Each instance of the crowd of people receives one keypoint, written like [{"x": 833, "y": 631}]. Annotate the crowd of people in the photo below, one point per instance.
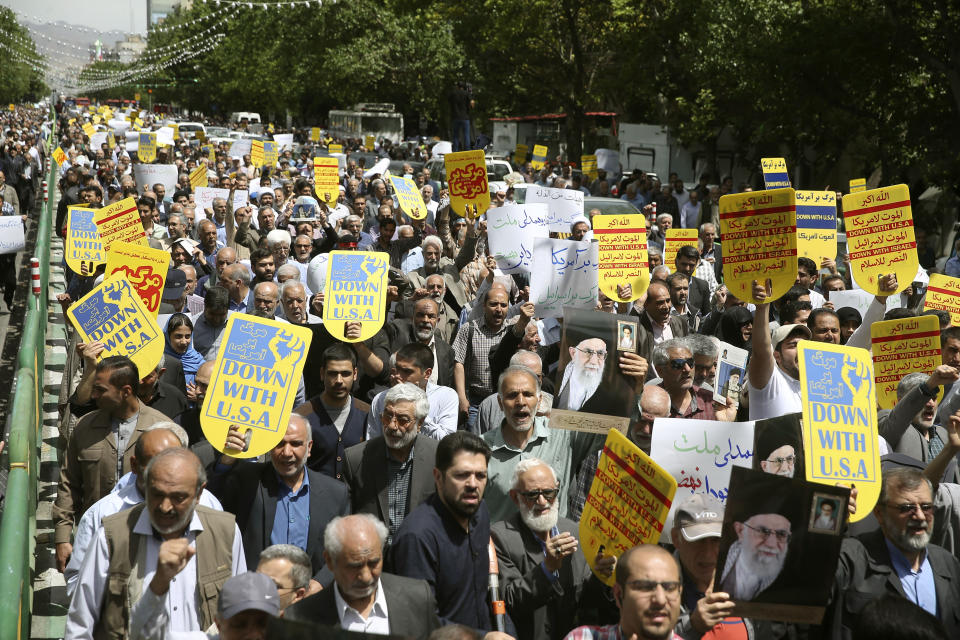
[{"x": 413, "y": 456}]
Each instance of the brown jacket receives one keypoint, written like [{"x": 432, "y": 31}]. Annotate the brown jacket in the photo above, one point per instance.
[
  {"x": 89, "y": 468},
  {"x": 214, "y": 547}
]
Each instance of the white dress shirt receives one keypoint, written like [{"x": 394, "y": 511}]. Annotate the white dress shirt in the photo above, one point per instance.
[
  {"x": 441, "y": 420},
  {"x": 377, "y": 622},
  {"x": 152, "y": 616},
  {"x": 124, "y": 495}
]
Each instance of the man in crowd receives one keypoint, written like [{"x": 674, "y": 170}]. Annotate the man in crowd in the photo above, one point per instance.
[
  {"x": 392, "y": 473},
  {"x": 290, "y": 569}
]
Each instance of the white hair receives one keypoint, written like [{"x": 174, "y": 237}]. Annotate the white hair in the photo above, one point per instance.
[
  {"x": 173, "y": 428},
  {"x": 333, "y": 536},
  {"x": 289, "y": 284},
  {"x": 526, "y": 465},
  {"x": 432, "y": 240},
  {"x": 277, "y": 236},
  {"x": 408, "y": 392},
  {"x": 289, "y": 270}
]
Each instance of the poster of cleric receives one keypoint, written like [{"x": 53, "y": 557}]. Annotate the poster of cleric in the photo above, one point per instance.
[
  {"x": 592, "y": 393},
  {"x": 780, "y": 545}
]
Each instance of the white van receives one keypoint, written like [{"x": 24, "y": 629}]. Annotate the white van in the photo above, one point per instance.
[{"x": 251, "y": 117}]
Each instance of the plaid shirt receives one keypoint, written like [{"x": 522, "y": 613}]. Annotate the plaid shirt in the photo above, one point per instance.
[
  {"x": 608, "y": 632},
  {"x": 398, "y": 491},
  {"x": 705, "y": 272},
  {"x": 471, "y": 348},
  {"x": 581, "y": 487}
]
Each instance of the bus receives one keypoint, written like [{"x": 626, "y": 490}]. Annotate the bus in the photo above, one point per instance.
[{"x": 378, "y": 119}]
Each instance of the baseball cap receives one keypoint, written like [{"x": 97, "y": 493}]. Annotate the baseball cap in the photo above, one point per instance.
[
  {"x": 173, "y": 287},
  {"x": 248, "y": 591},
  {"x": 699, "y": 516},
  {"x": 783, "y": 332}
]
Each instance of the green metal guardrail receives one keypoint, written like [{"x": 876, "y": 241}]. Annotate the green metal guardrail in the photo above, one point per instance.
[{"x": 18, "y": 527}]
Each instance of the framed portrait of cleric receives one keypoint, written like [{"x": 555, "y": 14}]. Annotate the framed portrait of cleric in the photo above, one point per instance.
[
  {"x": 626, "y": 335},
  {"x": 778, "y": 447},
  {"x": 592, "y": 394},
  {"x": 774, "y": 564}
]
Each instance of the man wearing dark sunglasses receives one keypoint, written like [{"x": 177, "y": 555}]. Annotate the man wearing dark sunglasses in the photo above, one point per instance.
[{"x": 674, "y": 362}]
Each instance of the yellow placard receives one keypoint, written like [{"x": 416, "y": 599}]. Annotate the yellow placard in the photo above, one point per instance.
[
  {"x": 858, "y": 184},
  {"x": 775, "y": 174},
  {"x": 759, "y": 230},
  {"x": 111, "y": 139},
  {"x": 256, "y": 153},
  {"x": 520, "y": 154},
  {"x": 13, "y": 107},
  {"x": 138, "y": 122},
  {"x": 539, "y": 156},
  {"x": 901, "y": 347},
  {"x": 59, "y": 156},
  {"x": 88, "y": 129},
  {"x": 254, "y": 382},
  {"x": 370, "y": 142},
  {"x": 271, "y": 153},
  {"x": 408, "y": 195},
  {"x": 120, "y": 222},
  {"x": 198, "y": 177},
  {"x": 356, "y": 291},
  {"x": 144, "y": 267},
  {"x": 114, "y": 314},
  {"x": 628, "y": 501},
  {"x": 817, "y": 225},
  {"x": 71, "y": 121},
  {"x": 943, "y": 293},
  {"x": 176, "y": 131},
  {"x": 211, "y": 154},
  {"x": 334, "y": 148},
  {"x": 147, "y": 147},
  {"x": 96, "y": 119},
  {"x": 315, "y": 134},
  {"x": 82, "y": 247},
  {"x": 588, "y": 166},
  {"x": 326, "y": 179},
  {"x": 840, "y": 420},
  {"x": 622, "y": 250},
  {"x": 676, "y": 238},
  {"x": 467, "y": 181},
  {"x": 880, "y": 238}
]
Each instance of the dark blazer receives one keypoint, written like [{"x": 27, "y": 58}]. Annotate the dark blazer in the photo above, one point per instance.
[
  {"x": 678, "y": 326},
  {"x": 541, "y": 609},
  {"x": 699, "y": 296},
  {"x": 410, "y": 607},
  {"x": 865, "y": 573},
  {"x": 329, "y": 446},
  {"x": 365, "y": 473},
  {"x": 250, "y": 491},
  {"x": 399, "y": 333}
]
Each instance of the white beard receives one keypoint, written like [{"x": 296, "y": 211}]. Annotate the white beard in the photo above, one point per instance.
[
  {"x": 583, "y": 384},
  {"x": 755, "y": 573},
  {"x": 545, "y": 522}
]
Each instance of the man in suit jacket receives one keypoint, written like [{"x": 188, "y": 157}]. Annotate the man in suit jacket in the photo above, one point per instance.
[
  {"x": 547, "y": 584},
  {"x": 373, "y": 465},
  {"x": 688, "y": 257},
  {"x": 876, "y": 563},
  {"x": 257, "y": 491},
  {"x": 94, "y": 459},
  {"x": 656, "y": 323},
  {"x": 365, "y": 598}
]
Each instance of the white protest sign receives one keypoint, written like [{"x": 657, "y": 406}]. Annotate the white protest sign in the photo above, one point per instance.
[
  {"x": 441, "y": 149},
  {"x": 608, "y": 160},
  {"x": 380, "y": 167},
  {"x": 284, "y": 141},
  {"x": 165, "y": 137},
  {"x": 859, "y": 300},
  {"x": 564, "y": 274},
  {"x": 98, "y": 139},
  {"x": 148, "y": 175},
  {"x": 511, "y": 230},
  {"x": 699, "y": 455},
  {"x": 11, "y": 234},
  {"x": 563, "y": 205},
  {"x": 240, "y": 148},
  {"x": 204, "y": 197},
  {"x": 120, "y": 126}
]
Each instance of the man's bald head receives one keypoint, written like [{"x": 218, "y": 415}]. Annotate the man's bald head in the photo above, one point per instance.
[{"x": 655, "y": 401}]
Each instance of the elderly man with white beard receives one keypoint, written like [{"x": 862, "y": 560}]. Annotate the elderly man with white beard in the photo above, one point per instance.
[
  {"x": 524, "y": 434},
  {"x": 896, "y": 559},
  {"x": 757, "y": 557},
  {"x": 547, "y": 584},
  {"x": 582, "y": 376}
]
